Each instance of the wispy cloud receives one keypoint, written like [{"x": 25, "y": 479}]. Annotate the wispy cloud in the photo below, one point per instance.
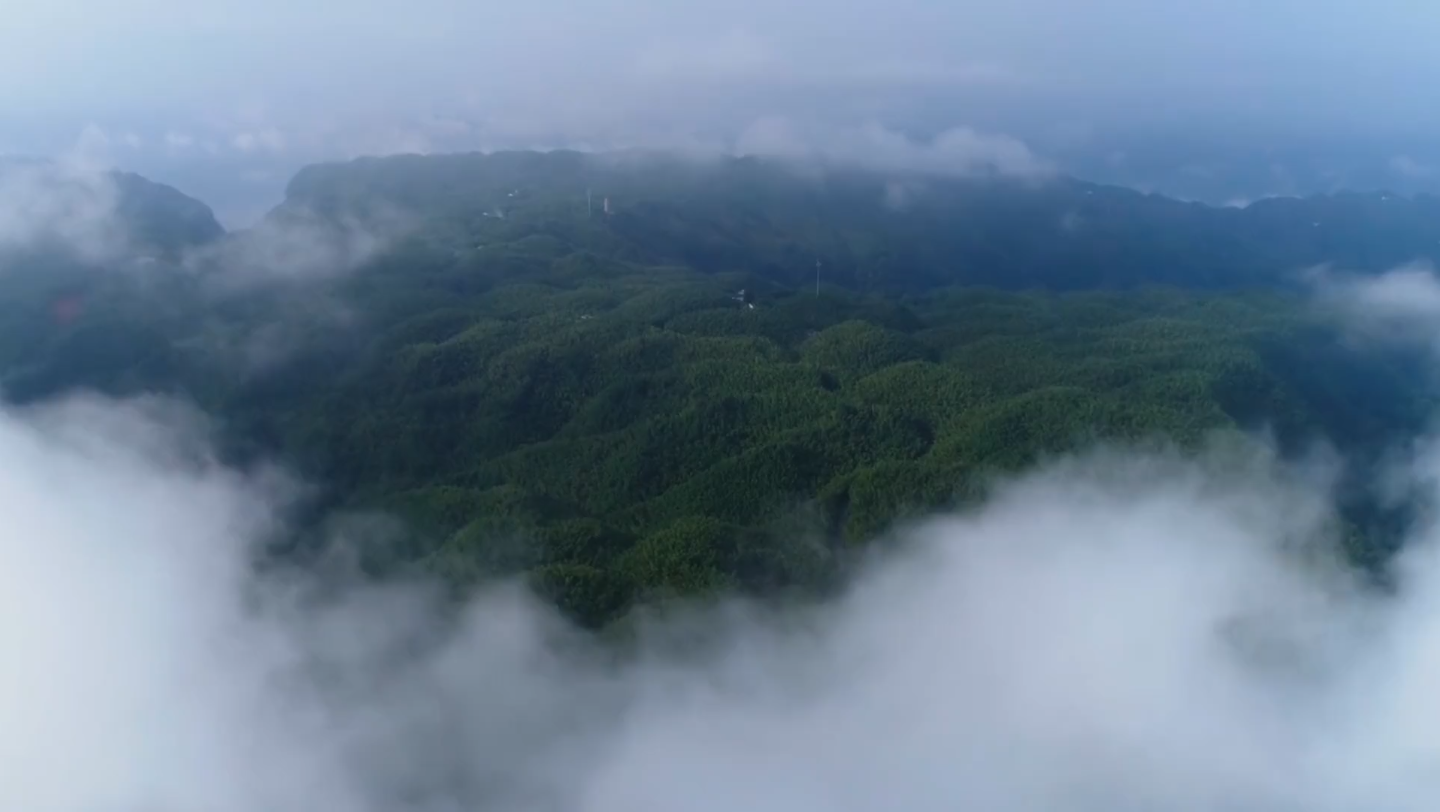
[
  {"x": 1402, "y": 304},
  {"x": 65, "y": 204},
  {"x": 179, "y": 140},
  {"x": 290, "y": 248},
  {"x": 957, "y": 151},
  {"x": 268, "y": 139},
  {"x": 1407, "y": 167}
]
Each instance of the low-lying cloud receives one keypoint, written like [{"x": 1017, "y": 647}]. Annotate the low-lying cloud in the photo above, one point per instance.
[
  {"x": 957, "y": 151},
  {"x": 1121, "y": 630},
  {"x": 272, "y": 280},
  {"x": 1400, "y": 305},
  {"x": 70, "y": 202},
  {"x": 295, "y": 247},
  {"x": 43, "y": 203}
]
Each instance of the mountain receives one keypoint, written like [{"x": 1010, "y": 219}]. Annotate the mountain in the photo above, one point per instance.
[
  {"x": 90, "y": 286},
  {"x": 589, "y": 400},
  {"x": 97, "y": 215},
  {"x": 871, "y": 230},
  {"x": 160, "y": 218}
]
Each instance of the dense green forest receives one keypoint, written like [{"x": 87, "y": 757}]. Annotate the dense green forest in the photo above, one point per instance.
[
  {"x": 871, "y": 231},
  {"x": 660, "y": 399}
]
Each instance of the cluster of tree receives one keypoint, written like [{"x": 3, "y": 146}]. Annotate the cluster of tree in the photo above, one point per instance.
[
  {"x": 531, "y": 386},
  {"x": 875, "y": 231}
]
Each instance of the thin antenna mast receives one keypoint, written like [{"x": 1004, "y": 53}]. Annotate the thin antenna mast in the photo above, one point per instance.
[
  {"x": 589, "y": 210},
  {"x": 817, "y": 279}
]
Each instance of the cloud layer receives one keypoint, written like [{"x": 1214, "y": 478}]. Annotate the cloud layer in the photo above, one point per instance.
[
  {"x": 1122, "y": 630},
  {"x": 268, "y": 86},
  {"x": 1400, "y": 305},
  {"x": 957, "y": 151},
  {"x": 59, "y": 204}
]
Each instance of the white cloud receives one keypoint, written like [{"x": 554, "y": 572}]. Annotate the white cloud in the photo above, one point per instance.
[
  {"x": 1402, "y": 304},
  {"x": 733, "y": 53},
  {"x": 1408, "y": 167},
  {"x": 267, "y": 139},
  {"x": 919, "y": 72},
  {"x": 90, "y": 152},
  {"x": 71, "y": 201},
  {"x": 1120, "y": 631},
  {"x": 296, "y": 246},
  {"x": 898, "y": 196},
  {"x": 957, "y": 151},
  {"x": 179, "y": 140},
  {"x": 389, "y": 140},
  {"x": 39, "y": 203}
]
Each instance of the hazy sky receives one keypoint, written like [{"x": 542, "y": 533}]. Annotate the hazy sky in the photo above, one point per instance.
[{"x": 1258, "y": 97}]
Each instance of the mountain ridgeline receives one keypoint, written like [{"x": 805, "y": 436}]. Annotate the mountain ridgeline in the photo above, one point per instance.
[
  {"x": 56, "y": 207},
  {"x": 617, "y": 376},
  {"x": 160, "y": 218},
  {"x": 878, "y": 231}
]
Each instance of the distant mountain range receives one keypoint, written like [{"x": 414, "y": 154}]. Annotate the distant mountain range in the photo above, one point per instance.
[
  {"x": 161, "y": 217},
  {"x": 863, "y": 229},
  {"x": 873, "y": 230},
  {"x": 44, "y": 204},
  {"x": 610, "y": 372}
]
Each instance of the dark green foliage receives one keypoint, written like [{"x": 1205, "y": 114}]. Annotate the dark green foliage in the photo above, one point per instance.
[
  {"x": 772, "y": 222},
  {"x": 548, "y": 393},
  {"x": 620, "y": 454},
  {"x": 159, "y": 218}
]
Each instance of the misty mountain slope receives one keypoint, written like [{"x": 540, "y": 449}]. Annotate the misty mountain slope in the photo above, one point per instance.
[
  {"x": 161, "y": 218},
  {"x": 92, "y": 286},
  {"x": 622, "y": 436},
  {"x": 873, "y": 230},
  {"x": 573, "y": 399},
  {"x": 103, "y": 215}
]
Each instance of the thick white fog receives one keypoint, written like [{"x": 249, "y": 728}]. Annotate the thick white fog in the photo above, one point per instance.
[{"x": 1122, "y": 630}]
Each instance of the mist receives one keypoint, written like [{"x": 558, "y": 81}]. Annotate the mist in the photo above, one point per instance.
[
  {"x": 227, "y": 99},
  {"x": 65, "y": 202},
  {"x": 70, "y": 227},
  {"x": 1398, "y": 306}
]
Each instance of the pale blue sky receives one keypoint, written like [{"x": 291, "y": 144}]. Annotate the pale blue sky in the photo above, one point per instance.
[{"x": 242, "y": 92}]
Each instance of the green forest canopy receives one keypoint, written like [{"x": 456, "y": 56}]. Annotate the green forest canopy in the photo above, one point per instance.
[{"x": 548, "y": 393}]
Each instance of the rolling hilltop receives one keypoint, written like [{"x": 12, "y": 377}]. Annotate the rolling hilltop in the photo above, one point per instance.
[
  {"x": 588, "y": 398},
  {"x": 871, "y": 230},
  {"x": 56, "y": 207}
]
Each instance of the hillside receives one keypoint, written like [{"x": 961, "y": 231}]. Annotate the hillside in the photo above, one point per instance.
[
  {"x": 592, "y": 401},
  {"x": 55, "y": 207},
  {"x": 873, "y": 231},
  {"x": 160, "y": 218}
]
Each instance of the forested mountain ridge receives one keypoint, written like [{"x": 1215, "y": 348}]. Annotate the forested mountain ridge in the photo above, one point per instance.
[
  {"x": 658, "y": 400},
  {"x": 161, "y": 217},
  {"x": 874, "y": 230},
  {"x": 152, "y": 219}
]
